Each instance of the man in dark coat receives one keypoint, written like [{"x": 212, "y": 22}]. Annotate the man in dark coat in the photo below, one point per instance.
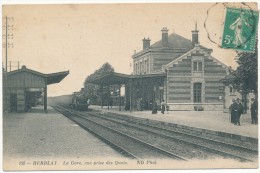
[
  {"x": 154, "y": 111},
  {"x": 238, "y": 110},
  {"x": 163, "y": 106},
  {"x": 232, "y": 112},
  {"x": 254, "y": 111}
]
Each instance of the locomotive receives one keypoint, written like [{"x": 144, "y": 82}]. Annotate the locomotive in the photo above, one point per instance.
[{"x": 80, "y": 102}]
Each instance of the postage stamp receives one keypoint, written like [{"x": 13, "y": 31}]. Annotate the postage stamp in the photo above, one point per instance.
[{"x": 240, "y": 29}]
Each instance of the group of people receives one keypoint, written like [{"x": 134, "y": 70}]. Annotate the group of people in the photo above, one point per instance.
[
  {"x": 163, "y": 106},
  {"x": 236, "y": 109}
]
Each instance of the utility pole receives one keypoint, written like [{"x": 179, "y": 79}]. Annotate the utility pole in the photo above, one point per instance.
[
  {"x": 14, "y": 64},
  {"x": 8, "y": 35}
]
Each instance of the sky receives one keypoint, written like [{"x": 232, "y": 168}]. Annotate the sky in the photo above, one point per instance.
[{"x": 80, "y": 38}]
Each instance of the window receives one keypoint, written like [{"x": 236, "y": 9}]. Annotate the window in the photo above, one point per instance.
[
  {"x": 197, "y": 92},
  {"x": 145, "y": 70},
  {"x": 141, "y": 67},
  {"x": 197, "y": 66},
  {"x": 200, "y": 66},
  {"x": 137, "y": 68}
]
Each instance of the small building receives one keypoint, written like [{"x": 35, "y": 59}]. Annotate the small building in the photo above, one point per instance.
[
  {"x": 230, "y": 93},
  {"x": 25, "y": 88}
]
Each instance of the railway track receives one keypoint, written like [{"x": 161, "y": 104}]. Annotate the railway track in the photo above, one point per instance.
[
  {"x": 187, "y": 146},
  {"x": 218, "y": 147},
  {"x": 127, "y": 145}
]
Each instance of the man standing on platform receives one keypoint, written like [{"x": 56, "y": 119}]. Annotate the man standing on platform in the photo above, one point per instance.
[
  {"x": 232, "y": 112},
  {"x": 163, "y": 106},
  {"x": 238, "y": 110},
  {"x": 254, "y": 111}
]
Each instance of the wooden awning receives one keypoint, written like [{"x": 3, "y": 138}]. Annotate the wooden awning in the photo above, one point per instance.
[
  {"x": 49, "y": 78},
  {"x": 119, "y": 78}
]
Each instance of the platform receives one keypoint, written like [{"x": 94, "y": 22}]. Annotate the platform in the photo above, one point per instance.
[
  {"x": 36, "y": 136},
  {"x": 210, "y": 120}
]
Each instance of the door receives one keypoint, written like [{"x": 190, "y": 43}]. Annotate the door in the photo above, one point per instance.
[
  {"x": 13, "y": 103},
  {"x": 197, "y": 92}
]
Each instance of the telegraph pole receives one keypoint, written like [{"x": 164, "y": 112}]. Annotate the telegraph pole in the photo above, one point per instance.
[
  {"x": 14, "y": 64},
  {"x": 6, "y": 41},
  {"x": 8, "y": 36}
]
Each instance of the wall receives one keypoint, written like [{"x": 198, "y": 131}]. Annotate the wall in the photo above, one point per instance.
[
  {"x": 161, "y": 58},
  {"x": 185, "y": 72},
  {"x": 155, "y": 59},
  {"x": 20, "y": 95},
  {"x": 16, "y": 84},
  {"x": 25, "y": 79}
]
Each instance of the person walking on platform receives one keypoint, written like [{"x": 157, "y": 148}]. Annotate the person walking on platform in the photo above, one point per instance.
[
  {"x": 232, "y": 112},
  {"x": 163, "y": 106},
  {"x": 254, "y": 111},
  {"x": 111, "y": 102},
  {"x": 154, "y": 111},
  {"x": 167, "y": 108},
  {"x": 141, "y": 104},
  {"x": 238, "y": 110}
]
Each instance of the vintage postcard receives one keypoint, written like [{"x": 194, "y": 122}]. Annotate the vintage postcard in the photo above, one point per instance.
[{"x": 130, "y": 86}]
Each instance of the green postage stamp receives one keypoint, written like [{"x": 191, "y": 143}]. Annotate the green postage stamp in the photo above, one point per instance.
[{"x": 240, "y": 29}]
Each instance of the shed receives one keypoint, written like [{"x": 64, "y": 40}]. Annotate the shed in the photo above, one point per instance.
[{"x": 24, "y": 87}]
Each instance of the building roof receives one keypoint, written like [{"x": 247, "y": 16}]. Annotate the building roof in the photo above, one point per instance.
[
  {"x": 197, "y": 47},
  {"x": 50, "y": 78},
  {"x": 56, "y": 77},
  {"x": 175, "y": 41},
  {"x": 120, "y": 78},
  {"x": 110, "y": 79}
]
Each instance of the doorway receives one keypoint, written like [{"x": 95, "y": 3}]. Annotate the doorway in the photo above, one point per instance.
[
  {"x": 13, "y": 103},
  {"x": 197, "y": 92}
]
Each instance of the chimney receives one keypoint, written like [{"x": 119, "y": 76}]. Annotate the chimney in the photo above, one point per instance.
[
  {"x": 165, "y": 42},
  {"x": 195, "y": 36},
  {"x": 146, "y": 43}
]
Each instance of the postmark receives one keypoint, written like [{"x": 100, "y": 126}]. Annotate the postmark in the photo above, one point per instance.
[{"x": 240, "y": 28}]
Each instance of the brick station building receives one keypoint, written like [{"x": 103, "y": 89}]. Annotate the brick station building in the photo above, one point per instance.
[{"x": 175, "y": 69}]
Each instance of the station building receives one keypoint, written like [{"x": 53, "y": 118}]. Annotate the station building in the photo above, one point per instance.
[
  {"x": 175, "y": 69},
  {"x": 192, "y": 74},
  {"x": 25, "y": 88}
]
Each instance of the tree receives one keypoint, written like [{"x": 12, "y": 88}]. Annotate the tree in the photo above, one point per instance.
[
  {"x": 245, "y": 80},
  {"x": 91, "y": 90},
  {"x": 246, "y": 73}
]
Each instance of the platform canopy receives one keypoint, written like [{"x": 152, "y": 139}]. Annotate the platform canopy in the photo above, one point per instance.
[
  {"x": 56, "y": 77},
  {"x": 119, "y": 78},
  {"x": 49, "y": 78},
  {"x": 111, "y": 78}
]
